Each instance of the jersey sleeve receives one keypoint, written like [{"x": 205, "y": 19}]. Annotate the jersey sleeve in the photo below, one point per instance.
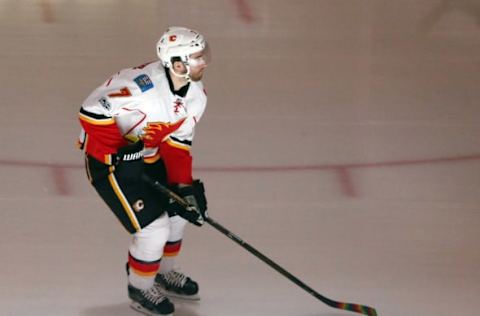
[
  {"x": 102, "y": 136},
  {"x": 178, "y": 162},
  {"x": 99, "y": 114}
]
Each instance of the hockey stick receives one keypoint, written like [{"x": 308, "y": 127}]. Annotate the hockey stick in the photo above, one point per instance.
[{"x": 362, "y": 309}]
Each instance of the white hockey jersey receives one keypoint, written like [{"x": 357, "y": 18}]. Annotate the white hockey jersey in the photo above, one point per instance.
[{"x": 119, "y": 109}]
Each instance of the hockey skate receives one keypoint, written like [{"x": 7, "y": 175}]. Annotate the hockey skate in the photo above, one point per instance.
[
  {"x": 178, "y": 285},
  {"x": 150, "y": 302}
]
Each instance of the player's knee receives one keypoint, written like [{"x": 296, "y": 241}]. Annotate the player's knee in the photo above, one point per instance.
[
  {"x": 177, "y": 227},
  {"x": 148, "y": 243}
]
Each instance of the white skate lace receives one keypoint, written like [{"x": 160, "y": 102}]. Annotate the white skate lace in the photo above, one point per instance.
[
  {"x": 154, "y": 295},
  {"x": 175, "y": 278}
]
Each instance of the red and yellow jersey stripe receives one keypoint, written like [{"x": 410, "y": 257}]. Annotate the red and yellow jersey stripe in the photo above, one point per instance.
[{"x": 104, "y": 137}]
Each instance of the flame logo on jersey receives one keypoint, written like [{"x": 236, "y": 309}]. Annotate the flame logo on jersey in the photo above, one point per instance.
[{"x": 178, "y": 104}]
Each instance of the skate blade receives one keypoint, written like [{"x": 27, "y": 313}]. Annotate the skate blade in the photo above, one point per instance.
[
  {"x": 175, "y": 295},
  {"x": 139, "y": 308}
]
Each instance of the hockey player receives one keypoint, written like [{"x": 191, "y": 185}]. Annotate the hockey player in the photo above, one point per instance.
[{"x": 141, "y": 121}]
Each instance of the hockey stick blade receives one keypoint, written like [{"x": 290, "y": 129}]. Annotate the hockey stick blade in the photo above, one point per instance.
[{"x": 357, "y": 308}]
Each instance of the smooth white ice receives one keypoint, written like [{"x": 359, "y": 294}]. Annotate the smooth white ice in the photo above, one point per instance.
[{"x": 341, "y": 139}]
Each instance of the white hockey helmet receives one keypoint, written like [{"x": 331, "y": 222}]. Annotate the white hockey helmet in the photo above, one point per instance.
[{"x": 180, "y": 42}]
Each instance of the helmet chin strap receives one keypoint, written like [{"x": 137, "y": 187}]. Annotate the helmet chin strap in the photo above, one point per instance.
[{"x": 185, "y": 75}]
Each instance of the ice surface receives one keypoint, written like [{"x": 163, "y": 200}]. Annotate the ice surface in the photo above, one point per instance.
[{"x": 341, "y": 139}]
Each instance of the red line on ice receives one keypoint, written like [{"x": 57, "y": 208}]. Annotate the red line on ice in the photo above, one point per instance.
[
  {"x": 347, "y": 186},
  {"x": 61, "y": 183},
  {"x": 47, "y": 11},
  {"x": 284, "y": 168},
  {"x": 342, "y": 170},
  {"x": 245, "y": 11}
]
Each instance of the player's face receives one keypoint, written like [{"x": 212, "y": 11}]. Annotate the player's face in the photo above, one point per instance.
[
  {"x": 198, "y": 63},
  {"x": 196, "y": 73}
]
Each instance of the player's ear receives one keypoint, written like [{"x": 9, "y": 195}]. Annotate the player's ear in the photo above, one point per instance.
[{"x": 179, "y": 67}]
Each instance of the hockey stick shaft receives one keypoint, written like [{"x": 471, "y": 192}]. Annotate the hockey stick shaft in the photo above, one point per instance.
[
  {"x": 345, "y": 306},
  {"x": 362, "y": 309}
]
